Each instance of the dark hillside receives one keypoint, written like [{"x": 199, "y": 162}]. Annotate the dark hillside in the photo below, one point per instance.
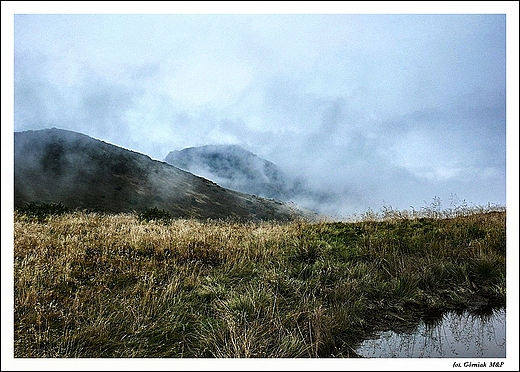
[{"x": 59, "y": 166}]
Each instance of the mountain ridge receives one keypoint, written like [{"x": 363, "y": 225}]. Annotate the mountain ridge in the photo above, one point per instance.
[
  {"x": 236, "y": 168},
  {"x": 233, "y": 167},
  {"x": 56, "y": 165}
]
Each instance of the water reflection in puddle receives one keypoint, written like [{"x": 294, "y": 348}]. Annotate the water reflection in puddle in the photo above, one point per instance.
[{"x": 453, "y": 335}]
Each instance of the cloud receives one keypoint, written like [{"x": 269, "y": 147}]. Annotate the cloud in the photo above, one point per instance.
[
  {"x": 396, "y": 108},
  {"x": 450, "y": 141}
]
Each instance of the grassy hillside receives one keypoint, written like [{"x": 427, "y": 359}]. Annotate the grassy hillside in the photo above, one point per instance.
[
  {"x": 59, "y": 166},
  {"x": 100, "y": 285}
]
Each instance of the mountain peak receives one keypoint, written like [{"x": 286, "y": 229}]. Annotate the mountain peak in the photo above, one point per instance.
[{"x": 233, "y": 167}]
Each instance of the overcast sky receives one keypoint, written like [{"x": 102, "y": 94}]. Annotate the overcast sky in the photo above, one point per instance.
[{"x": 381, "y": 109}]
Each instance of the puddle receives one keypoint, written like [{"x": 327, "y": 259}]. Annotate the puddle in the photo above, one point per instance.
[{"x": 450, "y": 335}]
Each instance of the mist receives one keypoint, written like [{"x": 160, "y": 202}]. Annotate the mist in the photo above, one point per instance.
[{"x": 370, "y": 110}]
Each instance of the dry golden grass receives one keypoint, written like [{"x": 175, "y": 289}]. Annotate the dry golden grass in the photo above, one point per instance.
[{"x": 93, "y": 285}]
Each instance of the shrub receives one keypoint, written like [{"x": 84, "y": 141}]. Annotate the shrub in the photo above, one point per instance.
[
  {"x": 42, "y": 211},
  {"x": 155, "y": 214}
]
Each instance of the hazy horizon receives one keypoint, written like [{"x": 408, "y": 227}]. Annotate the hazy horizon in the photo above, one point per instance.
[{"x": 380, "y": 109}]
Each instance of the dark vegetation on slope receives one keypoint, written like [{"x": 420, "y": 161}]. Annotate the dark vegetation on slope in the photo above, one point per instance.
[{"x": 57, "y": 166}]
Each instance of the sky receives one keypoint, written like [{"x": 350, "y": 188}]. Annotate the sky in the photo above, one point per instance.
[
  {"x": 385, "y": 104},
  {"x": 384, "y": 110}
]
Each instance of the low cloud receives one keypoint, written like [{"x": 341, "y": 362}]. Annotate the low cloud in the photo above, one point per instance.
[{"x": 371, "y": 109}]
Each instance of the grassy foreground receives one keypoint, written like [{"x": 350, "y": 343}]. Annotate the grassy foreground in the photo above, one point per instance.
[{"x": 93, "y": 285}]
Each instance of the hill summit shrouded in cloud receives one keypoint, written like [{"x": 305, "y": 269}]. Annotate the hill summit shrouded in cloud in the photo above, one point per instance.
[
  {"x": 233, "y": 167},
  {"x": 60, "y": 166}
]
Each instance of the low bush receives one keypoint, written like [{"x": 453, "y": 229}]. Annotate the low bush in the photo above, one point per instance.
[{"x": 155, "y": 214}]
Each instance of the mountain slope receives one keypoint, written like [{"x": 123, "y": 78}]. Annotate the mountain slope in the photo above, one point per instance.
[
  {"x": 235, "y": 168},
  {"x": 54, "y": 165}
]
